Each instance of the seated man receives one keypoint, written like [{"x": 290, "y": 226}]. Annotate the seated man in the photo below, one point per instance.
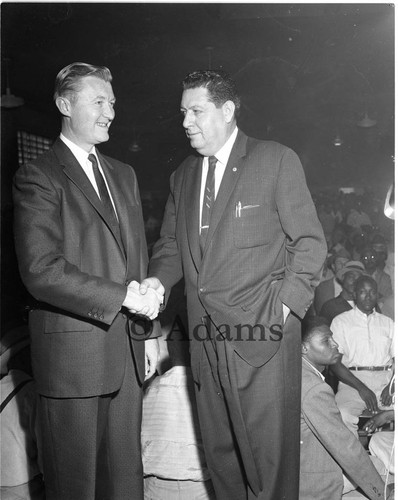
[
  {"x": 327, "y": 447},
  {"x": 329, "y": 288},
  {"x": 347, "y": 277},
  {"x": 365, "y": 370},
  {"x": 172, "y": 450},
  {"x": 370, "y": 260}
]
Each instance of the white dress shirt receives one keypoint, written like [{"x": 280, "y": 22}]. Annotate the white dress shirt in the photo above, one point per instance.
[
  {"x": 364, "y": 340},
  {"x": 82, "y": 157},
  {"x": 222, "y": 159}
]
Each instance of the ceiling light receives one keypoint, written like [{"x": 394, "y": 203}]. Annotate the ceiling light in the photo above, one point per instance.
[
  {"x": 9, "y": 100},
  {"x": 134, "y": 147},
  {"x": 338, "y": 140},
  {"x": 366, "y": 122}
]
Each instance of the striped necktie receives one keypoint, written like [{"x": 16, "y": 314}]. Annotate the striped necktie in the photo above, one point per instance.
[{"x": 208, "y": 201}]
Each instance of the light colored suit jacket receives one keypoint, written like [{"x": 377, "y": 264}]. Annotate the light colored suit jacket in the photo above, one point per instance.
[
  {"x": 77, "y": 269},
  {"x": 265, "y": 246},
  {"x": 327, "y": 447}
]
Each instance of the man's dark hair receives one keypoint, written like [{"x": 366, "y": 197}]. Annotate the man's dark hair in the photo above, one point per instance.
[
  {"x": 310, "y": 324},
  {"x": 219, "y": 84},
  {"x": 67, "y": 82},
  {"x": 364, "y": 279}
]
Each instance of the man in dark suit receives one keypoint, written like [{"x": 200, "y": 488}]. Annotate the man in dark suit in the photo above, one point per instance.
[
  {"x": 81, "y": 249},
  {"x": 251, "y": 255},
  {"x": 345, "y": 300}
]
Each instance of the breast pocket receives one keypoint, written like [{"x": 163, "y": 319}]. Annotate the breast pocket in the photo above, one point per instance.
[{"x": 251, "y": 225}]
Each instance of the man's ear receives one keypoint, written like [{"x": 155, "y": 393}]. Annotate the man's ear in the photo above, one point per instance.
[
  {"x": 229, "y": 111},
  {"x": 304, "y": 348},
  {"x": 64, "y": 105}
]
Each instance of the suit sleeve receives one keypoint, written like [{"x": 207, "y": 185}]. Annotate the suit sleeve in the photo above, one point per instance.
[
  {"x": 305, "y": 245},
  {"x": 39, "y": 237},
  {"x": 165, "y": 263},
  {"x": 322, "y": 416}
]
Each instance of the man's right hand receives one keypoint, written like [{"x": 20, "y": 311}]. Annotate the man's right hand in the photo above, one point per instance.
[
  {"x": 137, "y": 303},
  {"x": 152, "y": 283}
]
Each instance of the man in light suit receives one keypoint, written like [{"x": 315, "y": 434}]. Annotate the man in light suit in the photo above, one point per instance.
[
  {"x": 250, "y": 271},
  {"x": 327, "y": 447},
  {"x": 81, "y": 249}
]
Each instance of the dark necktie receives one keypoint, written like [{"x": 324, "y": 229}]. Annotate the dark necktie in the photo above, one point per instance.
[
  {"x": 208, "y": 201},
  {"x": 104, "y": 193}
]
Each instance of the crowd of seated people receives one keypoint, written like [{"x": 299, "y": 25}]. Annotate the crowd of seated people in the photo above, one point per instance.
[
  {"x": 360, "y": 232},
  {"x": 355, "y": 298}
]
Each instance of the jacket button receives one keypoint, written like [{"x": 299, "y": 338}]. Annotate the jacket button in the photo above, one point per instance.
[{"x": 89, "y": 314}]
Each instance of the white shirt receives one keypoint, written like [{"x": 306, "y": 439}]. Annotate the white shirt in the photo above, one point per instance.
[
  {"x": 222, "y": 159},
  {"x": 82, "y": 157},
  {"x": 364, "y": 340}
]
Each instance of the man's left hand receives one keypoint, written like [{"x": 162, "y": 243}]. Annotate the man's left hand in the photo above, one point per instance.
[{"x": 151, "y": 357}]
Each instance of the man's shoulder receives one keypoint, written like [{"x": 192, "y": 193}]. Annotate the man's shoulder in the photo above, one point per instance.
[
  {"x": 114, "y": 162},
  {"x": 47, "y": 162},
  {"x": 310, "y": 381},
  {"x": 325, "y": 284}
]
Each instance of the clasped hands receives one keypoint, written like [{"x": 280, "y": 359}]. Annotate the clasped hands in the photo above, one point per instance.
[{"x": 146, "y": 298}]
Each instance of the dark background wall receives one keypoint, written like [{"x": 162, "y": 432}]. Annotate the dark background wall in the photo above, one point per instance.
[{"x": 306, "y": 73}]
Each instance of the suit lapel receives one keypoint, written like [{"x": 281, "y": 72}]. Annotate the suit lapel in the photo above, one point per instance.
[
  {"x": 230, "y": 178},
  {"x": 119, "y": 200},
  {"x": 192, "y": 192},
  {"x": 76, "y": 174}
]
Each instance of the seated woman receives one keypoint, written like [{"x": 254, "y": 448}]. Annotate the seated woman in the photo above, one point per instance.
[{"x": 327, "y": 446}]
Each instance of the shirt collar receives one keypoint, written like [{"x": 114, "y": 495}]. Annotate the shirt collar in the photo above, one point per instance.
[
  {"x": 362, "y": 313},
  {"x": 313, "y": 368},
  {"x": 222, "y": 154},
  {"x": 80, "y": 154}
]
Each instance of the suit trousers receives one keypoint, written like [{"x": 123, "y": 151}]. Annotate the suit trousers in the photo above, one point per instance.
[
  {"x": 90, "y": 447},
  {"x": 250, "y": 419}
]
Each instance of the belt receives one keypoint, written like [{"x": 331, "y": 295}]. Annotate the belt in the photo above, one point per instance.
[{"x": 371, "y": 368}]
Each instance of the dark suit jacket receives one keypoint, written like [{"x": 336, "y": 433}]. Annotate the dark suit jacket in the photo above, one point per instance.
[
  {"x": 331, "y": 308},
  {"x": 323, "y": 292},
  {"x": 271, "y": 251},
  {"x": 71, "y": 261},
  {"x": 327, "y": 447}
]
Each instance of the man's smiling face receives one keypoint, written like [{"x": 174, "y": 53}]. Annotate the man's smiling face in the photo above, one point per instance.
[{"x": 90, "y": 113}]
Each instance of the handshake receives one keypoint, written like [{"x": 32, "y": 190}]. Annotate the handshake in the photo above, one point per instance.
[{"x": 145, "y": 299}]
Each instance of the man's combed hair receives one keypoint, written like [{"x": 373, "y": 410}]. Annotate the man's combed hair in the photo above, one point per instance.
[
  {"x": 219, "y": 84},
  {"x": 67, "y": 82},
  {"x": 310, "y": 325}
]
